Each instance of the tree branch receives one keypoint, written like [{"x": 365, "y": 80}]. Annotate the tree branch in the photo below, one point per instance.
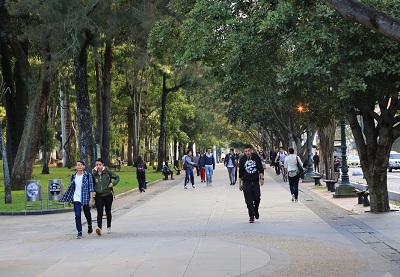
[{"x": 378, "y": 21}]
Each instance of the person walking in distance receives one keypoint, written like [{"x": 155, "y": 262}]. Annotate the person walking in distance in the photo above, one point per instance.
[
  {"x": 251, "y": 177},
  {"x": 196, "y": 161},
  {"x": 188, "y": 164},
  {"x": 230, "y": 163},
  {"x": 202, "y": 168},
  {"x": 140, "y": 173},
  {"x": 316, "y": 162},
  {"x": 280, "y": 158},
  {"x": 210, "y": 166},
  {"x": 293, "y": 173},
  {"x": 103, "y": 187},
  {"x": 80, "y": 193},
  {"x": 274, "y": 163}
]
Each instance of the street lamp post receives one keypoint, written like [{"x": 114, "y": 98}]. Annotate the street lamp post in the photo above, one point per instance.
[
  {"x": 310, "y": 171},
  {"x": 345, "y": 169},
  {"x": 345, "y": 189}
]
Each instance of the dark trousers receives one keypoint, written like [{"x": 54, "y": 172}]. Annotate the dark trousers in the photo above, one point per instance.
[
  {"x": 316, "y": 167},
  {"x": 78, "y": 211},
  {"x": 197, "y": 171},
  {"x": 101, "y": 202},
  {"x": 142, "y": 182},
  {"x": 294, "y": 185},
  {"x": 277, "y": 168},
  {"x": 252, "y": 195}
]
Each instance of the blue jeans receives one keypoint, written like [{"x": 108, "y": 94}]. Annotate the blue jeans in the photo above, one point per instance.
[
  {"x": 209, "y": 173},
  {"x": 231, "y": 173},
  {"x": 78, "y": 218},
  {"x": 189, "y": 173}
]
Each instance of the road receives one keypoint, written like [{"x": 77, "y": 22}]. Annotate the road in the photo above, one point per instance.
[{"x": 393, "y": 179}]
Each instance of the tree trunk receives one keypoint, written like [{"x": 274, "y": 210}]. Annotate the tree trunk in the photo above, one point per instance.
[
  {"x": 136, "y": 121},
  {"x": 327, "y": 135},
  {"x": 162, "y": 124},
  {"x": 16, "y": 102},
  {"x": 27, "y": 150},
  {"x": 99, "y": 107},
  {"x": 84, "y": 117},
  {"x": 105, "y": 149},
  {"x": 374, "y": 155},
  {"x": 67, "y": 128},
  {"x": 130, "y": 136},
  {"x": 6, "y": 171}
]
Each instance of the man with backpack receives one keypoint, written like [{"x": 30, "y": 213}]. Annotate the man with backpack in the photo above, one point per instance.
[{"x": 188, "y": 164}]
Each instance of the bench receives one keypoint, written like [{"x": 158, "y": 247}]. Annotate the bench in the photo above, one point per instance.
[
  {"x": 330, "y": 183},
  {"x": 362, "y": 197},
  {"x": 317, "y": 177},
  {"x": 116, "y": 167}
]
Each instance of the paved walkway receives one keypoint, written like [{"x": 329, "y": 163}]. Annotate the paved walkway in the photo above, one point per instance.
[{"x": 169, "y": 231}]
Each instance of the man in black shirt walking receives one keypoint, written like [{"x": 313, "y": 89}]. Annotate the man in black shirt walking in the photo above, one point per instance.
[{"x": 251, "y": 177}]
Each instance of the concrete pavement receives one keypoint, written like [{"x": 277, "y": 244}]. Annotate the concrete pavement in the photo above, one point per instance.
[{"x": 170, "y": 231}]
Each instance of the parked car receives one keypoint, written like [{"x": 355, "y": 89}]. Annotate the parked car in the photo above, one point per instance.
[
  {"x": 394, "y": 160},
  {"x": 353, "y": 161}
]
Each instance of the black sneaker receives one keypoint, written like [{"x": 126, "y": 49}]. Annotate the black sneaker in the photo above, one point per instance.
[
  {"x": 251, "y": 220},
  {"x": 79, "y": 236},
  {"x": 90, "y": 229},
  {"x": 257, "y": 215}
]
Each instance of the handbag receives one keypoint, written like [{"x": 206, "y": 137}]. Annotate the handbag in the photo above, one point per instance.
[{"x": 300, "y": 168}]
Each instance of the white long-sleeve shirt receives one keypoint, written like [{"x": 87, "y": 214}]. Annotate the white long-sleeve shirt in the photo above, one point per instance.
[{"x": 291, "y": 162}]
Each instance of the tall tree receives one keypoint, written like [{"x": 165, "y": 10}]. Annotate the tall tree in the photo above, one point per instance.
[{"x": 84, "y": 115}]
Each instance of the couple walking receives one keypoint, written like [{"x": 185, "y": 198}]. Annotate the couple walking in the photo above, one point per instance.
[{"x": 80, "y": 192}]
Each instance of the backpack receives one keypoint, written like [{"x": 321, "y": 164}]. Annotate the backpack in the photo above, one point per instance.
[{"x": 140, "y": 168}]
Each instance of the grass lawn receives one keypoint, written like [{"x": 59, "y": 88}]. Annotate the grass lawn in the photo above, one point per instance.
[{"x": 127, "y": 182}]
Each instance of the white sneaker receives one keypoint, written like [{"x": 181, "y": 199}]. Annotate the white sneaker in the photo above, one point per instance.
[
  {"x": 109, "y": 230},
  {"x": 292, "y": 197}
]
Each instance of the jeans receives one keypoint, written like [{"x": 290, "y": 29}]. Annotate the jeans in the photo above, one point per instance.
[
  {"x": 252, "y": 196},
  {"x": 78, "y": 218},
  {"x": 231, "y": 173},
  {"x": 101, "y": 202},
  {"x": 189, "y": 174},
  {"x": 294, "y": 185},
  {"x": 209, "y": 173}
]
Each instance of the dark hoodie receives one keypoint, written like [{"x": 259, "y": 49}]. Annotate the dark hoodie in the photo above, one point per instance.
[{"x": 250, "y": 167}]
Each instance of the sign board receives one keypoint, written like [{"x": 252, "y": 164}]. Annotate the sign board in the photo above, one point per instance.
[
  {"x": 33, "y": 191},
  {"x": 55, "y": 189}
]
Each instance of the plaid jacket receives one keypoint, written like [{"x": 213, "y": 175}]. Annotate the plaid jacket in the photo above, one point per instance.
[{"x": 87, "y": 187}]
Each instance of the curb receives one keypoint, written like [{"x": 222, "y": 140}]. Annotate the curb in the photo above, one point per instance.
[{"x": 63, "y": 210}]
